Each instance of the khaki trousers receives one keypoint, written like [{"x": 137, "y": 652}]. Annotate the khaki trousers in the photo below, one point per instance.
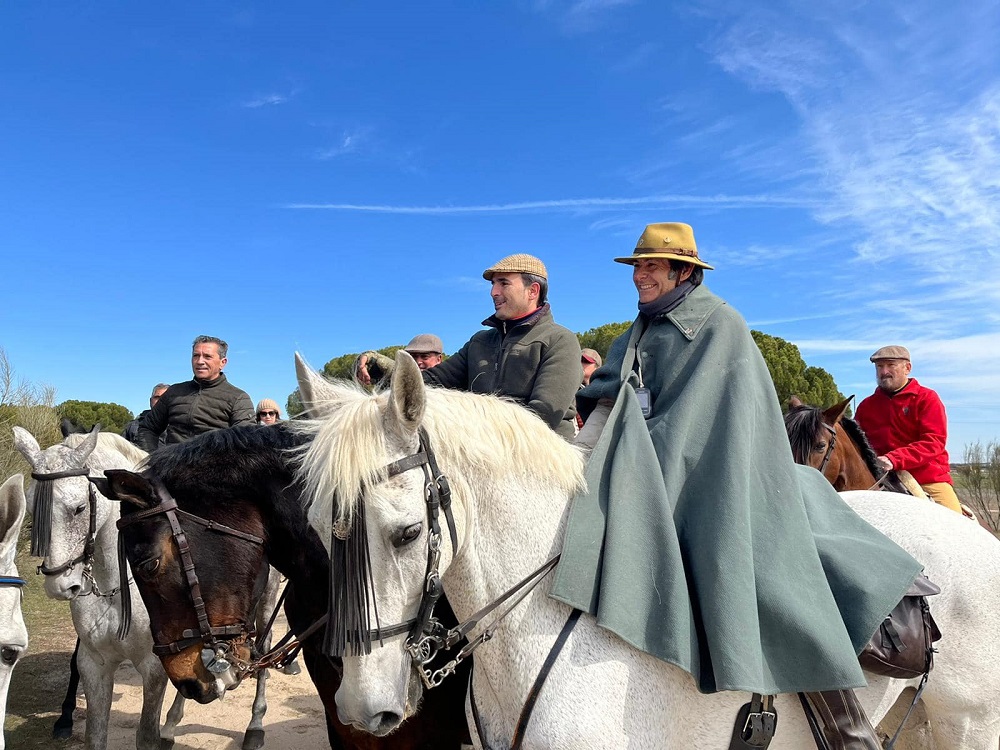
[{"x": 943, "y": 494}]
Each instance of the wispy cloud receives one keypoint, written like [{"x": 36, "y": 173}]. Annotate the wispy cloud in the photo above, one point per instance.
[
  {"x": 268, "y": 100},
  {"x": 571, "y": 204},
  {"x": 579, "y": 16},
  {"x": 350, "y": 142}
]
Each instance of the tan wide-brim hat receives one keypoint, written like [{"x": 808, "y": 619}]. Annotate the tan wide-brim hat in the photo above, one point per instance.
[
  {"x": 672, "y": 241},
  {"x": 520, "y": 263}
]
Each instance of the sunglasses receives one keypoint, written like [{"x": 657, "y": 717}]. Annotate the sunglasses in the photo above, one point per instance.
[{"x": 267, "y": 414}]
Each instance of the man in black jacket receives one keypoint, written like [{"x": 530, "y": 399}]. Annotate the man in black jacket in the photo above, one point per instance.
[{"x": 207, "y": 402}]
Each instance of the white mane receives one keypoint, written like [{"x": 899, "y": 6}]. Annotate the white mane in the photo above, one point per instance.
[
  {"x": 470, "y": 434},
  {"x": 109, "y": 441}
]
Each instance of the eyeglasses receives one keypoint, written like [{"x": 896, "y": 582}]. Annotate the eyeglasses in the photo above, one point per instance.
[{"x": 267, "y": 414}]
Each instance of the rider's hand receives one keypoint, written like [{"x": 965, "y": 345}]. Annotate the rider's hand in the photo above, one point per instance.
[
  {"x": 361, "y": 370},
  {"x": 884, "y": 463}
]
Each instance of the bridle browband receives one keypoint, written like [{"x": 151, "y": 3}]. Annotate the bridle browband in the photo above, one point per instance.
[{"x": 215, "y": 639}]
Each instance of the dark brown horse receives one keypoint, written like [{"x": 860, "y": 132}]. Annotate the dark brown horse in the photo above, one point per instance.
[{"x": 242, "y": 478}]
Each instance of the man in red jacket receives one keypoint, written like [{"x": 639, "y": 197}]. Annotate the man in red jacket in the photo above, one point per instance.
[{"x": 906, "y": 425}]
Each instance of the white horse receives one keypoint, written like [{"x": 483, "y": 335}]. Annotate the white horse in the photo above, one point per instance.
[
  {"x": 512, "y": 479},
  {"x": 13, "y": 634}
]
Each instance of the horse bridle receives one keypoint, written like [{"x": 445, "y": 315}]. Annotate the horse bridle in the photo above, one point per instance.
[
  {"x": 426, "y": 636},
  {"x": 830, "y": 446},
  {"x": 216, "y": 640},
  {"x": 41, "y": 529}
]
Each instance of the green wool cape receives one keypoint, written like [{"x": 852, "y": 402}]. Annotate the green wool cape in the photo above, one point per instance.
[{"x": 699, "y": 540}]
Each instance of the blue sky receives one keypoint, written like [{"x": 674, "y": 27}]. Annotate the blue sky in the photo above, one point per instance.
[{"x": 330, "y": 177}]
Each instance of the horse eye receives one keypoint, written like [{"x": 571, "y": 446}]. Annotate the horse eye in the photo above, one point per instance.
[
  {"x": 407, "y": 535},
  {"x": 79, "y": 509},
  {"x": 148, "y": 567},
  {"x": 820, "y": 447},
  {"x": 8, "y": 655}
]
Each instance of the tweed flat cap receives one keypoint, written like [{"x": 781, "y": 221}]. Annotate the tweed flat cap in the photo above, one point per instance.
[
  {"x": 589, "y": 355},
  {"x": 891, "y": 352},
  {"x": 425, "y": 343},
  {"x": 671, "y": 241},
  {"x": 520, "y": 263}
]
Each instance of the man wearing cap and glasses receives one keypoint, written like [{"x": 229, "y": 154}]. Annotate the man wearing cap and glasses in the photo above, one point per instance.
[
  {"x": 906, "y": 424},
  {"x": 698, "y": 539},
  {"x": 523, "y": 355},
  {"x": 425, "y": 348}
]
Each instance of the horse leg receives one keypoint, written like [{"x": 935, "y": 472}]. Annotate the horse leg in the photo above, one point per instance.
[
  {"x": 169, "y": 729},
  {"x": 253, "y": 738},
  {"x": 154, "y": 685},
  {"x": 98, "y": 677},
  {"x": 63, "y": 728}
]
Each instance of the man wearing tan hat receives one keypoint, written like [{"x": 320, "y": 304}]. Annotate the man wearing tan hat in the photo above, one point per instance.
[
  {"x": 698, "y": 539},
  {"x": 906, "y": 424},
  {"x": 523, "y": 355}
]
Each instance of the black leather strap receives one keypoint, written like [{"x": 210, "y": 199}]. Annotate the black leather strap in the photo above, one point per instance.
[{"x": 536, "y": 689}]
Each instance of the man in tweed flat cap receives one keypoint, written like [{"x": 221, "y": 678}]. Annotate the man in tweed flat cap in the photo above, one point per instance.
[
  {"x": 523, "y": 355},
  {"x": 907, "y": 426}
]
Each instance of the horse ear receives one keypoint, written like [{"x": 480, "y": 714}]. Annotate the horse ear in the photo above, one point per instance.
[
  {"x": 25, "y": 442},
  {"x": 794, "y": 402},
  {"x": 88, "y": 445},
  {"x": 312, "y": 386},
  {"x": 129, "y": 487},
  {"x": 66, "y": 427},
  {"x": 407, "y": 397},
  {"x": 12, "y": 507},
  {"x": 836, "y": 412}
]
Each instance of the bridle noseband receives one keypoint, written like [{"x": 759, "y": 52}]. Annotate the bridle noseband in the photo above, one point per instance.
[{"x": 217, "y": 640}]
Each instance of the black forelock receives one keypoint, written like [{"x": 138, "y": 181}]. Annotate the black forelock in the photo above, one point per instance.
[{"x": 802, "y": 423}]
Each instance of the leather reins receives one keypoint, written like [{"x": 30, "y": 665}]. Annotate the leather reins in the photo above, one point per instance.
[{"x": 215, "y": 639}]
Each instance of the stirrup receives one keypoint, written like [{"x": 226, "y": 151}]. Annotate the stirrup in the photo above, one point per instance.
[{"x": 756, "y": 722}]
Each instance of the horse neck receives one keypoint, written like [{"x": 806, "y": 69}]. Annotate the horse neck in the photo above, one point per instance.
[
  {"x": 295, "y": 549},
  {"x": 855, "y": 472},
  {"x": 512, "y": 528}
]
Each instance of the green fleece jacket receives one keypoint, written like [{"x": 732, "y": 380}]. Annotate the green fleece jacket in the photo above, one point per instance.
[
  {"x": 190, "y": 408},
  {"x": 534, "y": 361}
]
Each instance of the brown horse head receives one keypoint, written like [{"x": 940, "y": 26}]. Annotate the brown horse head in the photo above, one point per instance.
[
  {"x": 830, "y": 442},
  {"x": 200, "y": 585}
]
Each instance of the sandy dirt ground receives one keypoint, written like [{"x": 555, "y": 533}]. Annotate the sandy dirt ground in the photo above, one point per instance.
[{"x": 294, "y": 716}]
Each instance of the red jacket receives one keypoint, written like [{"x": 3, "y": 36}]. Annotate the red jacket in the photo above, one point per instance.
[{"x": 909, "y": 428}]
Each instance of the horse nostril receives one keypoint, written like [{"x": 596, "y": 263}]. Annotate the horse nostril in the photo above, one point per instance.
[
  {"x": 75, "y": 590},
  {"x": 383, "y": 723}
]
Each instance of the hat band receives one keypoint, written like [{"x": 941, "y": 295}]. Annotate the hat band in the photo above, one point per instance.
[{"x": 672, "y": 250}]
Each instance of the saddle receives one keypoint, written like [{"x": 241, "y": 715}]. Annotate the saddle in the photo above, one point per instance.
[{"x": 903, "y": 645}]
